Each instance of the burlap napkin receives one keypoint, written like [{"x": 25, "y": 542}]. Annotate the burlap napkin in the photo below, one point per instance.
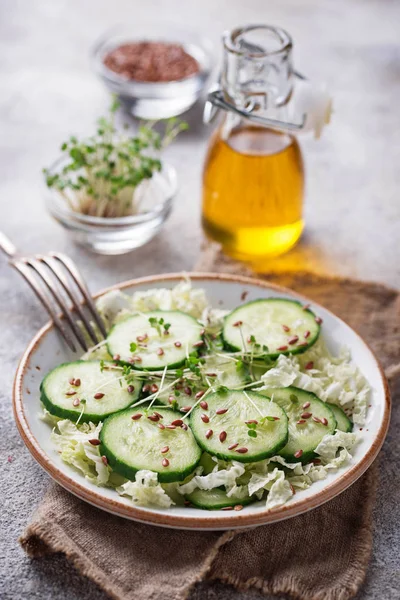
[{"x": 322, "y": 555}]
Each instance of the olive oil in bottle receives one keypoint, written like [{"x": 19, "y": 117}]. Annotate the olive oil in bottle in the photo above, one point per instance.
[{"x": 253, "y": 192}]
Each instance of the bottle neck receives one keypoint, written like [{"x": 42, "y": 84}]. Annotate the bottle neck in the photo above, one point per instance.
[{"x": 257, "y": 69}]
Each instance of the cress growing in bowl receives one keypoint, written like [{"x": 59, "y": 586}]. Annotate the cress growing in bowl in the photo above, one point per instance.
[{"x": 113, "y": 182}]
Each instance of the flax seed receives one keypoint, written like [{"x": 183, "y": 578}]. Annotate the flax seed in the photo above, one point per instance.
[{"x": 306, "y": 415}]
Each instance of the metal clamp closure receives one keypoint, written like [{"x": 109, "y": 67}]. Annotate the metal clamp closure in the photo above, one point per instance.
[{"x": 216, "y": 100}]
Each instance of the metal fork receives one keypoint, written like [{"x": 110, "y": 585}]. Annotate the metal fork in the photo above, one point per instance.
[{"x": 49, "y": 275}]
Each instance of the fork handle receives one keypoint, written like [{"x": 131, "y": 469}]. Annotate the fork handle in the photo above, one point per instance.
[{"x": 7, "y": 246}]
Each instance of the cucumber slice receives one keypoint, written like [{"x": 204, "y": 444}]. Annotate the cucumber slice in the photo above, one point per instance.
[
  {"x": 132, "y": 445},
  {"x": 227, "y": 373},
  {"x": 155, "y": 348},
  {"x": 271, "y": 435},
  {"x": 216, "y": 499},
  {"x": 278, "y": 325},
  {"x": 303, "y": 437},
  {"x": 219, "y": 369},
  {"x": 343, "y": 421},
  {"x": 60, "y": 397}
]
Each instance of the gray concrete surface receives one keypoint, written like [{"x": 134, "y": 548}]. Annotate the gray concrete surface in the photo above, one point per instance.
[{"x": 352, "y": 211}]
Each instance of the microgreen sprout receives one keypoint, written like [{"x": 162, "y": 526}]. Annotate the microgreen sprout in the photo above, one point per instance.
[
  {"x": 159, "y": 325},
  {"x": 101, "y": 173}
]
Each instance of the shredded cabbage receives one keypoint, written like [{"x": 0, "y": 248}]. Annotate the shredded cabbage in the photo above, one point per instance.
[
  {"x": 72, "y": 442},
  {"x": 146, "y": 490},
  {"x": 226, "y": 477},
  {"x": 333, "y": 378},
  {"x": 113, "y": 306}
]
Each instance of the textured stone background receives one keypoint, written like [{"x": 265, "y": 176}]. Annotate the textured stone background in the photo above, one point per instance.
[{"x": 352, "y": 212}]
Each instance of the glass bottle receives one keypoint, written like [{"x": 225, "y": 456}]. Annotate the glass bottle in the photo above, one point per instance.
[{"x": 253, "y": 177}]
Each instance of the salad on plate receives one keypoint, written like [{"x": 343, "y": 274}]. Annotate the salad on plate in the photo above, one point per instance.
[{"x": 187, "y": 404}]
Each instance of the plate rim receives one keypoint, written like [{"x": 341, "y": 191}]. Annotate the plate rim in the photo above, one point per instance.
[{"x": 165, "y": 519}]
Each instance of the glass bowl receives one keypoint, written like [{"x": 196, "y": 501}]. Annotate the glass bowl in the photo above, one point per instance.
[
  {"x": 120, "y": 235},
  {"x": 153, "y": 100}
]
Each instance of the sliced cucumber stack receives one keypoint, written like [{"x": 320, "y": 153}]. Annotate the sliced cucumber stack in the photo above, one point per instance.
[
  {"x": 271, "y": 327},
  {"x": 155, "y": 340},
  {"x": 310, "y": 420},
  {"x": 343, "y": 421},
  {"x": 81, "y": 390},
  {"x": 138, "y": 438},
  {"x": 216, "y": 499},
  {"x": 238, "y": 425}
]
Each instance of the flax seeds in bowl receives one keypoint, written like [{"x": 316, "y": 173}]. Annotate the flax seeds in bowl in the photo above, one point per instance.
[
  {"x": 156, "y": 75},
  {"x": 151, "y": 61}
]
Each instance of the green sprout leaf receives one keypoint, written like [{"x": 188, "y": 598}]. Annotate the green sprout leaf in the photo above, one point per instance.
[
  {"x": 251, "y": 433},
  {"x": 222, "y": 389},
  {"x": 133, "y": 346}
]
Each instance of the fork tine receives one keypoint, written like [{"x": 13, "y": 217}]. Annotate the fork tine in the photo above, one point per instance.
[
  {"x": 26, "y": 272},
  {"x": 38, "y": 267},
  {"x": 77, "y": 277},
  {"x": 53, "y": 265}
]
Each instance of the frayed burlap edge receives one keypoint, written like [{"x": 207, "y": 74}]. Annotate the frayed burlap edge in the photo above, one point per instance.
[{"x": 352, "y": 579}]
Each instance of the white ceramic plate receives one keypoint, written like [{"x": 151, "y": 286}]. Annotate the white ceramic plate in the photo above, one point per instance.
[{"x": 47, "y": 350}]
